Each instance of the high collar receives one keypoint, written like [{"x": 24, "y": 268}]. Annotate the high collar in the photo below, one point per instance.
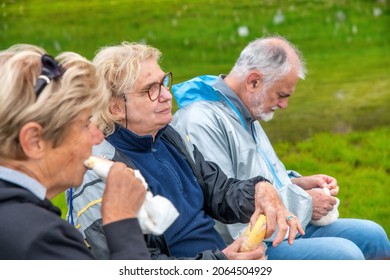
[
  {"x": 125, "y": 139},
  {"x": 24, "y": 181},
  {"x": 221, "y": 86}
]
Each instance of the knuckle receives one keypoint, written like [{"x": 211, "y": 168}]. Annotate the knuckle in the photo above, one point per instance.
[{"x": 283, "y": 227}]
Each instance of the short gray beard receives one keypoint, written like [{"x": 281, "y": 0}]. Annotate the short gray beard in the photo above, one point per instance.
[
  {"x": 261, "y": 115},
  {"x": 266, "y": 116}
]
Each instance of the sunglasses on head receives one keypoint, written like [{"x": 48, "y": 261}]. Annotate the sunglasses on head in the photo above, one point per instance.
[{"x": 50, "y": 70}]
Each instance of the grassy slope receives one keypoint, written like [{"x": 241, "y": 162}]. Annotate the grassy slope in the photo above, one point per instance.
[
  {"x": 360, "y": 163},
  {"x": 346, "y": 45}
]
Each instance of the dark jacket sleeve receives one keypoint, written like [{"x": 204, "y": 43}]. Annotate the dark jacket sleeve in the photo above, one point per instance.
[
  {"x": 125, "y": 240},
  {"x": 121, "y": 240},
  {"x": 227, "y": 200}
]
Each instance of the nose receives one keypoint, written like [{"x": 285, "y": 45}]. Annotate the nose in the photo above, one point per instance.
[
  {"x": 96, "y": 135},
  {"x": 283, "y": 103},
  {"x": 165, "y": 94}
]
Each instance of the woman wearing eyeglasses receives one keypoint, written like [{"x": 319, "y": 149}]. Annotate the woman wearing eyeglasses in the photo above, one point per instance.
[
  {"x": 137, "y": 132},
  {"x": 46, "y": 134}
]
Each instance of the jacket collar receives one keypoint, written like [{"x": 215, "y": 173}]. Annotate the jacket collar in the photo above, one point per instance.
[
  {"x": 24, "y": 181},
  {"x": 221, "y": 86},
  {"x": 125, "y": 139}
]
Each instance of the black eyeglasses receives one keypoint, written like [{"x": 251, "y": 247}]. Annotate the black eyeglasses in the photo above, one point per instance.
[
  {"x": 154, "y": 90},
  {"x": 50, "y": 70}
]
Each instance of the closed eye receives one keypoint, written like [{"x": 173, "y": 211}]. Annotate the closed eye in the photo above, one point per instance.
[{"x": 282, "y": 95}]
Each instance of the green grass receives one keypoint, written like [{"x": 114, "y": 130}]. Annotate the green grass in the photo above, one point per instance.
[
  {"x": 360, "y": 163},
  {"x": 346, "y": 94}
]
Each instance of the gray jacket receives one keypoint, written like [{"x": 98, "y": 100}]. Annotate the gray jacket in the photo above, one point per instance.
[{"x": 219, "y": 124}]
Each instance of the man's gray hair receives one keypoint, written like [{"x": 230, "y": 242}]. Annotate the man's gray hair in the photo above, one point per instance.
[{"x": 273, "y": 56}]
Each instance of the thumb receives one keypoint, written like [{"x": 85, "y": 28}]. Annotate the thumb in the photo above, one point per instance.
[
  {"x": 324, "y": 184},
  {"x": 254, "y": 218},
  {"x": 236, "y": 245}
]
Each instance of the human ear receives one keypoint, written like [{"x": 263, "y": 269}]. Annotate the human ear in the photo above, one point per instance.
[
  {"x": 31, "y": 141},
  {"x": 253, "y": 81},
  {"x": 117, "y": 107}
]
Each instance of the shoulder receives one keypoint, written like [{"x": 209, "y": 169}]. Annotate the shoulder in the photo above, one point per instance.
[
  {"x": 200, "y": 112},
  {"x": 34, "y": 232}
]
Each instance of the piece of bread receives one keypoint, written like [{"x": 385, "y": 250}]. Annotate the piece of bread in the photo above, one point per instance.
[
  {"x": 253, "y": 237},
  {"x": 101, "y": 166}
]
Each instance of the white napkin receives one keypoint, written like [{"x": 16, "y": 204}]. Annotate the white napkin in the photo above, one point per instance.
[
  {"x": 331, "y": 217},
  {"x": 156, "y": 214}
]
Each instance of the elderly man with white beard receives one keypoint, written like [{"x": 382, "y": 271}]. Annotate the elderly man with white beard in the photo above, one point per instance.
[{"x": 220, "y": 115}]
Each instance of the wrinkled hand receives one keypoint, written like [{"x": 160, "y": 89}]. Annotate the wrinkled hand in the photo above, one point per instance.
[
  {"x": 317, "y": 181},
  {"x": 232, "y": 252},
  {"x": 268, "y": 202},
  {"x": 123, "y": 196},
  {"x": 322, "y": 203}
]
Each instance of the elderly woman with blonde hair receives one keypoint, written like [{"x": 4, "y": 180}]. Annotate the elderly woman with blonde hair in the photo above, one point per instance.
[{"x": 46, "y": 135}]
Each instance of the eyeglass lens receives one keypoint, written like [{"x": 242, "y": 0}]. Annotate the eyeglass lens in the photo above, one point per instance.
[{"x": 155, "y": 91}]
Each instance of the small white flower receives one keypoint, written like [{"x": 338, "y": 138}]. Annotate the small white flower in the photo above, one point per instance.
[
  {"x": 243, "y": 31},
  {"x": 377, "y": 12},
  {"x": 279, "y": 17}
]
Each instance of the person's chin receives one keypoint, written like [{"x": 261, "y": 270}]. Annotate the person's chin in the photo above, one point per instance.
[
  {"x": 266, "y": 116},
  {"x": 167, "y": 118}
]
